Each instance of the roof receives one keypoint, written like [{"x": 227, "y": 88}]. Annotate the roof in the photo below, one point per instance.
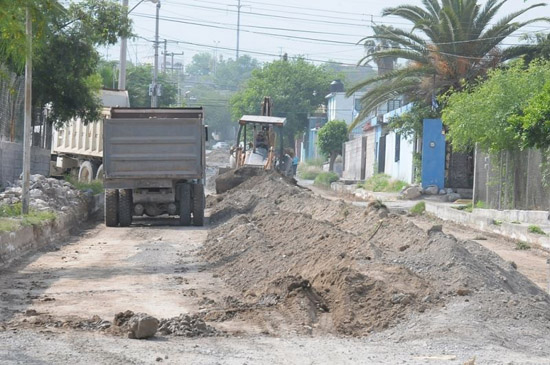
[
  {"x": 260, "y": 119},
  {"x": 115, "y": 98}
]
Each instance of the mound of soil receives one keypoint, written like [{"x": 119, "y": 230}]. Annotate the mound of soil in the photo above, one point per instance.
[{"x": 325, "y": 265}]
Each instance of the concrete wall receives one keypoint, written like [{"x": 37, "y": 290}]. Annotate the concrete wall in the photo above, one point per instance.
[
  {"x": 370, "y": 154},
  {"x": 11, "y": 161},
  {"x": 402, "y": 169},
  {"x": 354, "y": 159}
]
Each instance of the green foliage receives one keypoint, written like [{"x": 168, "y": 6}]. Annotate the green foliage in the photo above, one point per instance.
[
  {"x": 533, "y": 122},
  {"x": 296, "y": 88},
  {"x": 308, "y": 172},
  {"x": 410, "y": 124},
  {"x": 497, "y": 222},
  {"x": 480, "y": 204},
  {"x": 520, "y": 245},
  {"x": 417, "y": 165},
  {"x": 487, "y": 113},
  {"x": 10, "y": 210},
  {"x": 419, "y": 208},
  {"x": 330, "y": 138},
  {"x": 324, "y": 179},
  {"x": 536, "y": 230},
  {"x": 318, "y": 162},
  {"x": 96, "y": 186},
  {"x": 383, "y": 183},
  {"x": 137, "y": 81},
  {"x": 64, "y": 56},
  {"x": 11, "y": 218},
  {"x": 438, "y": 49}
]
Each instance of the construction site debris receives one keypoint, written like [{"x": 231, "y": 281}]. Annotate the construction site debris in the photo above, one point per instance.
[
  {"x": 142, "y": 326},
  {"x": 45, "y": 194},
  {"x": 186, "y": 325},
  {"x": 339, "y": 268}
]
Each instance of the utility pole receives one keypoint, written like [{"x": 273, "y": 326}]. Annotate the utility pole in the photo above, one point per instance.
[
  {"x": 28, "y": 116},
  {"x": 155, "y": 88},
  {"x": 123, "y": 46}
]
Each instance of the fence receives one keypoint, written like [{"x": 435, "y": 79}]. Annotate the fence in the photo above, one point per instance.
[{"x": 513, "y": 179}]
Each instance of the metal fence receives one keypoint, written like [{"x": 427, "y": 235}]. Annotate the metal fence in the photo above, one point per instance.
[
  {"x": 11, "y": 105},
  {"x": 513, "y": 179}
]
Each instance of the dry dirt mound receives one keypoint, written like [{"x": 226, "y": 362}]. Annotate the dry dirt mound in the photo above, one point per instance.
[{"x": 322, "y": 264}]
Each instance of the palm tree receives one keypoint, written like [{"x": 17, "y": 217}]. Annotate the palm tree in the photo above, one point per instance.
[
  {"x": 372, "y": 46},
  {"x": 451, "y": 41}
]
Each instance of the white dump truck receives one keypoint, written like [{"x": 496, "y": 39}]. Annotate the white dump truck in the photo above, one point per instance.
[{"x": 77, "y": 148}]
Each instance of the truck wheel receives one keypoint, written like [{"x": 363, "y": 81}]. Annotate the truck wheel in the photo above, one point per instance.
[
  {"x": 111, "y": 207},
  {"x": 198, "y": 204},
  {"x": 86, "y": 172},
  {"x": 125, "y": 207},
  {"x": 99, "y": 173},
  {"x": 185, "y": 205}
]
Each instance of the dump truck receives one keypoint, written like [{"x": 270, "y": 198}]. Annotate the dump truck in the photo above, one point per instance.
[
  {"x": 77, "y": 147},
  {"x": 154, "y": 164}
]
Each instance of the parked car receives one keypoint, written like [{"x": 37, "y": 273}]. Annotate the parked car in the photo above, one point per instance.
[{"x": 221, "y": 146}]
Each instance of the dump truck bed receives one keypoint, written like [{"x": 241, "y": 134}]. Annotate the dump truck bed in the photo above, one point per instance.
[{"x": 153, "y": 147}]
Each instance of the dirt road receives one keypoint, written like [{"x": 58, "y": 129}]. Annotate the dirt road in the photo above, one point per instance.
[{"x": 55, "y": 304}]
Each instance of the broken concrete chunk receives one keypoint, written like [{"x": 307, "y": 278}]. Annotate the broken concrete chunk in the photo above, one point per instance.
[{"x": 142, "y": 326}]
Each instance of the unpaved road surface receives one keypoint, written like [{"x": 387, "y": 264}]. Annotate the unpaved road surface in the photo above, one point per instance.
[{"x": 57, "y": 306}]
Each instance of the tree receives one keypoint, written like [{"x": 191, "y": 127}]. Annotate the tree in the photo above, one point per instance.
[
  {"x": 202, "y": 64},
  {"x": 138, "y": 80},
  {"x": 64, "y": 56},
  {"x": 230, "y": 74},
  {"x": 483, "y": 113},
  {"x": 372, "y": 46},
  {"x": 296, "y": 87},
  {"x": 331, "y": 138},
  {"x": 533, "y": 122},
  {"x": 451, "y": 41}
]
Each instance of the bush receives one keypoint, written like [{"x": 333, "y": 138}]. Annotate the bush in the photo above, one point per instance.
[
  {"x": 520, "y": 245},
  {"x": 536, "y": 230},
  {"x": 324, "y": 179},
  {"x": 383, "y": 183},
  {"x": 419, "y": 208},
  {"x": 317, "y": 162},
  {"x": 308, "y": 172}
]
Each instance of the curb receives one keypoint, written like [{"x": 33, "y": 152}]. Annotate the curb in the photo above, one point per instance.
[{"x": 16, "y": 244}]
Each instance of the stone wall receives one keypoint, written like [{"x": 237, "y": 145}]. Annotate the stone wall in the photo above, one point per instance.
[{"x": 11, "y": 162}]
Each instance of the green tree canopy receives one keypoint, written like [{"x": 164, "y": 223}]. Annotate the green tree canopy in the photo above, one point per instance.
[
  {"x": 296, "y": 87},
  {"x": 483, "y": 113},
  {"x": 451, "y": 41},
  {"x": 330, "y": 139},
  {"x": 65, "y": 58},
  {"x": 139, "y": 78}
]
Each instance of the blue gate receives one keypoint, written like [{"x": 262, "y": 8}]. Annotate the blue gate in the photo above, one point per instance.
[{"x": 433, "y": 154}]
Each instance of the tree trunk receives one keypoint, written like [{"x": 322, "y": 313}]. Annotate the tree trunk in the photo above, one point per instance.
[{"x": 332, "y": 158}]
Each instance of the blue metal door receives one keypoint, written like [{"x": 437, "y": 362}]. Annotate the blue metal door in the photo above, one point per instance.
[{"x": 433, "y": 154}]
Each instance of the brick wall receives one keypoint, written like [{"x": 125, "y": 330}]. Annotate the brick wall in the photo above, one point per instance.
[{"x": 11, "y": 161}]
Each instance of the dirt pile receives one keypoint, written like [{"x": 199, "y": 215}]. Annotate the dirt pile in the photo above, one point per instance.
[
  {"x": 234, "y": 178},
  {"x": 45, "y": 193},
  {"x": 325, "y": 265}
]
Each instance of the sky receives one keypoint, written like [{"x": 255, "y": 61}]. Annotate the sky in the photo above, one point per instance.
[{"x": 319, "y": 30}]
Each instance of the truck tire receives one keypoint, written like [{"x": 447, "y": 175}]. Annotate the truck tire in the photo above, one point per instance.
[
  {"x": 125, "y": 207},
  {"x": 86, "y": 172},
  {"x": 111, "y": 207},
  {"x": 198, "y": 205},
  {"x": 185, "y": 204},
  {"x": 99, "y": 173}
]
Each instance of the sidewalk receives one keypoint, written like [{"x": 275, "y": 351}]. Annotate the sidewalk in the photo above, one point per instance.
[{"x": 513, "y": 224}]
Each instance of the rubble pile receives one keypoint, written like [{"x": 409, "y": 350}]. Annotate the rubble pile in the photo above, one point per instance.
[
  {"x": 45, "y": 194},
  {"x": 329, "y": 266},
  {"x": 186, "y": 325}
]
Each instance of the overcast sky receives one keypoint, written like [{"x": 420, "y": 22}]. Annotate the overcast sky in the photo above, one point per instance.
[{"x": 320, "y": 30}]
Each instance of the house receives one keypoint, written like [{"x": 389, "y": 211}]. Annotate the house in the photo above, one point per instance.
[{"x": 307, "y": 146}]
